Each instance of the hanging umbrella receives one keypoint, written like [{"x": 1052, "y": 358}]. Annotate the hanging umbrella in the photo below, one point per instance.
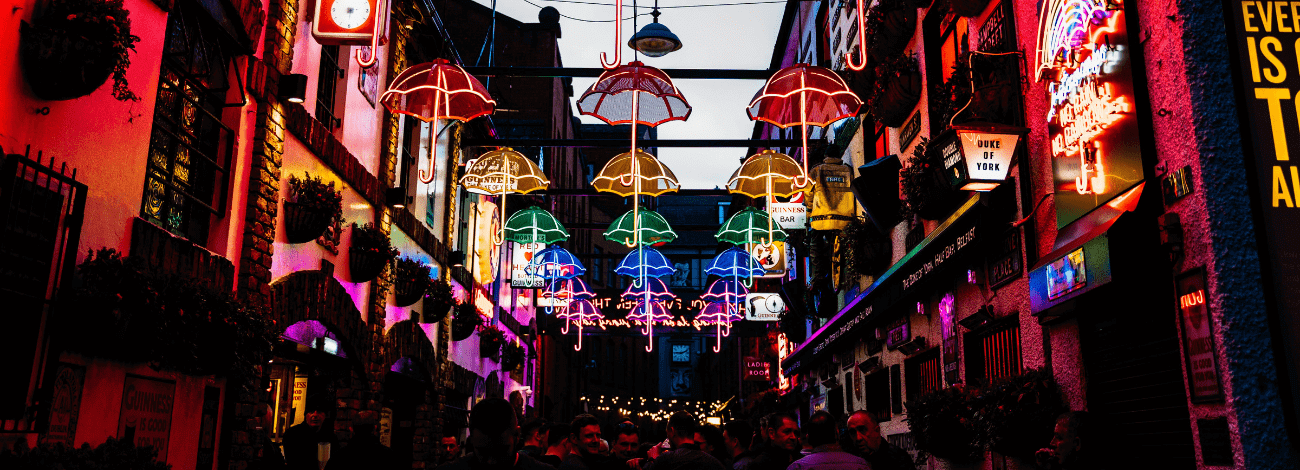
[
  {"x": 654, "y": 229},
  {"x": 735, "y": 262},
  {"x": 768, "y": 173},
  {"x": 535, "y": 225},
  {"x": 725, "y": 290},
  {"x": 654, "y": 287},
  {"x": 577, "y": 312},
  {"x": 501, "y": 172},
  {"x": 617, "y": 176},
  {"x": 803, "y": 95},
  {"x": 645, "y": 261},
  {"x": 554, "y": 262},
  {"x": 720, "y": 314},
  {"x": 437, "y": 90},
  {"x": 567, "y": 289},
  {"x": 750, "y": 225}
]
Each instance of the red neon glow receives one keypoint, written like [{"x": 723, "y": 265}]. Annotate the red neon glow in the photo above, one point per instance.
[
  {"x": 618, "y": 38},
  {"x": 1193, "y": 299},
  {"x": 862, "y": 44},
  {"x": 1087, "y": 113},
  {"x": 1092, "y": 172},
  {"x": 376, "y": 39},
  {"x": 830, "y": 101},
  {"x": 437, "y": 90}
]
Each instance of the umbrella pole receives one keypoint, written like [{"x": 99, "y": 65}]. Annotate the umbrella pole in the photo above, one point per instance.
[
  {"x": 803, "y": 126},
  {"x": 426, "y": 177}
]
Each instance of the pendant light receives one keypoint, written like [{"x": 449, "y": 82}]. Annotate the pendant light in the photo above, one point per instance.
[{"x": 654, "y": 40}]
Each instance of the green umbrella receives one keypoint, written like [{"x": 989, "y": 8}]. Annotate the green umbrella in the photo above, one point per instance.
[
  {"x": 654, "y": 229},
  {"x": 750, "y": 226},
  {"x": 535, "y": 225}
]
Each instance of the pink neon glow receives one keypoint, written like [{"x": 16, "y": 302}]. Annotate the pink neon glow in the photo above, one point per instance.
[
  {"x": 862, "y": 44},
  {"x": 306, "y": 333},
  {"x": 1064, "y": 25},
  {"x": 653, "y": 287},
  {"x": 437, "y": 90}
]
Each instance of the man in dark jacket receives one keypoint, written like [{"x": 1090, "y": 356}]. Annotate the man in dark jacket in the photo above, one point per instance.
[
  {"x": 686, "y": 453},
  {"x": 534, "y": 433},
  {"x": 865, "y": 441},
  {"x": 783, "y": 446},
  {"x": 493, "y": 434},
  {"x": 363, "y": 451},
  {"x": 309, "y": 444},
  {"x": 739, "y": 435}
]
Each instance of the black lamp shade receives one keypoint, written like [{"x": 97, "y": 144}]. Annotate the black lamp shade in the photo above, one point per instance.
[
  {"x": 654, "y": 40},
  {"x": 457, "y": 258},
  {"x": 293, "y": 87},
  {"x": 396, "y": 197}
]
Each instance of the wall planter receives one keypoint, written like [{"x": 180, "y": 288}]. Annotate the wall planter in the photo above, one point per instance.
[
  {"x": 897, "y": 90},
  {"x": 967, "y": 8},
  {"x": 465, "y": 322},
  {"x": 438, "y": 301},
  {"x": 944, "y": 426},
  {"x": 512, "y": 357},
  {"x": 370, "y": 252},
  {"x": 889, "y": 28},
  {"x": 72, "y": 49},
  {"x": 929, "y": 193},
  {"x": 310, "y": 205},
  {"x": 490, "y": 341},
  {"x": 411, "y": 281}
]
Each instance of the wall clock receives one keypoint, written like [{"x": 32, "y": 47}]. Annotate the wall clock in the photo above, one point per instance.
[{"x": 346, "y": 22}]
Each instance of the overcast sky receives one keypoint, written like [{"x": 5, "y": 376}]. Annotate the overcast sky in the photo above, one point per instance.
[{"x": 722, "y": 37}]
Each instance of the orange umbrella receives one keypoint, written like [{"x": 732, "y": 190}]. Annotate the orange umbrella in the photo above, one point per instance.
[{"x": 437, "y": 90}]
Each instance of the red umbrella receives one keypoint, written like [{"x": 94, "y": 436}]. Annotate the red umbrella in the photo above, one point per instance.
[
  {"x": 803, "y": 95},
  {"x": 635, "y": 94},
  {"x": 437, "y": 90}
]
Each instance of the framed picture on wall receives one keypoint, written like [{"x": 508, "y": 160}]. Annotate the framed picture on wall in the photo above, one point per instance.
[
  {"x": 1199, "y": 351},
  {"x": 368, "y": 80}
]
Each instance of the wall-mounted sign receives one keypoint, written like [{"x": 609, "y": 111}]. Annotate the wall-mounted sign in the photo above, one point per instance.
[
  {"x": 1176, "y": 184},
  {"x": 1198, "y": 338},
  {"x": 521, "y": 254},
  {"x": 146, "y": 417},
  {"x": 1083, "y": 55},
  {"x": 1005, "y": 262},
  {"x": 1066, "y": 275},
  {"x": 791, "y": 215},
  {"x": 764, "y": 307},
  {"x": 898, "y": 333},
  {"x": 65, "y": 405},
  {"x": 756, "y": 369},
  {"x": 771, "y": 256},
  {"x": 909, "y": 131},
  {"x": 986, "y": 152}
]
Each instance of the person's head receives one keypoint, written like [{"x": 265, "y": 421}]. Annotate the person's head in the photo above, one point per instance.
[
  {"x": 534, "y": 432},
  {"x": 450, "y": 447},
  {"x": 820, "y": 430},
  {"x": 738, "y": 435},
  {"x": 783, "y": 431},
  {"x": 710, "y": 440},
  {"x": 493, "y": 432},
  {"x": 604, "y": 447},
  {"x": 626, "y": 440},
  {"x": 681, "y": 428},
  {"x": 864, "y": 432},
  {"x": 364, "y": 423},
  {"x": 584, "y": 434},
  {"x": 557, "y": 439},
  {"x": 316, "y": 413},
  {"x": 1070, "y": 437}
]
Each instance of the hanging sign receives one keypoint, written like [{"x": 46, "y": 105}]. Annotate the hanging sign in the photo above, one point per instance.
[
  {"x": 1083, "y": 54},
  {"x": 764, "y": 307},
  {"x": 521, "y": 255},
  {"x": 146, "y": 417},
  {"x": 987, "y": 154},
  {"x": 1198, "y": 338},
  {"x": 791, "y": 215},
  {"x": 771, "y": 256}
]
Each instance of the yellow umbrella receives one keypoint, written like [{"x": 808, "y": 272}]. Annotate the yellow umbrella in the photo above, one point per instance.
[
  {"x": 501, "y": 172},
  {"x": 619, "y": 178},
  {"x": 768, "y": 173}
]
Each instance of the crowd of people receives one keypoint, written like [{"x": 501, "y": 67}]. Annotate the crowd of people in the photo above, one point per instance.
[{"x": 497, "y": 441}]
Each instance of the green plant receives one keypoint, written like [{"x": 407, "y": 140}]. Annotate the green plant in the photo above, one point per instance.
[
  {"x": 862, "y": 248},
  {"x": 438, "y": 299},
  {"x": 949, "y": 97},
  {"x": 943, "y": 424},
  {"x": 315, "y": 194},
  {"x": 113, "y": 454},
  {"x": 123, "y": 311},
  {"x": 922, "y": 183},
  {"x": 105, "y": 24},
  {"x": 890, "y": 72},
  {"x": 368, "y": 238},
  {"x": 512, "y": 357},
  {"x": 879, "y": 35},
  {"x": 465, "y": 321},
  {"x": 1018, "y": 413}
]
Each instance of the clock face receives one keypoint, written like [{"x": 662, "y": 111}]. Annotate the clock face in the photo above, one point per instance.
[{"x": 350, "y": 14}]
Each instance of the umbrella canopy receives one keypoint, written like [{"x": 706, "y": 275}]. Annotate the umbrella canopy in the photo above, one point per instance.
[
  {"x": 535, "y": 225},
  {"x": 634, "y": 93},
  {"x": 726, "y": 289},
  {"x": 568, "y": 288},
  {"x": 735, "y": 262},
  {"x": 503, "y": 171},
  {"x": 437, "y": 90},
  {"x": 649, "y": 312},
  {"x": 750, "y": 225},
  {"x": 803, "y": 94},
  {"x": 768, "y": 173},
  {"x": 554, "y": 262},
  {"x": 619, "y": 177},
  {"x": 719, "y": 312},
  {"x": 654, "y": 229},
  {"x": 655, "y": 287},
  {"x": 648, "y": 261}
]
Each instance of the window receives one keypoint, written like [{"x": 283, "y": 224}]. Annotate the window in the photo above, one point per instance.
[
  {"x": 942, "y": 57},
  {"x": 327, "y": 81},
  {"x": 189, "y": 145},
  {"x": 722, "y": 211},
  {"x": 993, "y": 353},
  {"x": 597, "y": 265},
  {"x": 876, "y": 389},
  {"x": 880, "y": 139},
  {"x": 923, "y": 373}
]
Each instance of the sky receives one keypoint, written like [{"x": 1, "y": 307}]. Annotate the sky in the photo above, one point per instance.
[{"x": 717, "y": 37}]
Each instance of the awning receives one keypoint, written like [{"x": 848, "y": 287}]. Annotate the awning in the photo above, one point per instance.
[
  {"x": 951, "y": 240},
  {"x": 1080, "y": 258}
]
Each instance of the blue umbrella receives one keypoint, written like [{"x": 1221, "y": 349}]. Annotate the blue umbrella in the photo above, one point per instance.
[
  {"x": 554, "y": 262},
  {"x": 735, "y": 262},
  {"x": 645, "y": 260}
]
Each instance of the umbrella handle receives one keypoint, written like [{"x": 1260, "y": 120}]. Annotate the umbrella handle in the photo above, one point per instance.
[
  {"x": 862, "y": 45},
  {"x": 426, "y": 177},
  {"x": 380, "y": 19},
  {"x": 578, "y": 347},
  {"x": 618, "y": 37}
]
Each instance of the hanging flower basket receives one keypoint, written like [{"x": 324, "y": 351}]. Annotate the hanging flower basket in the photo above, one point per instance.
[
  {"x": 967, "y": 8},
  {"x": 438, "y": 301},
  {"x": 465, "y": 322},
  {"x": 897, "y": 90},
  {"x": 490, "y": 340},
  {"x": 310, "y": 205},
  {"x": 889, "y": 27},
  {"x": 72, "y": 49},
  {"x": 944, "y": 424},
  {"x": 412, "y": 280},
  {"x": 929, "y": 195},
  {"x": 512, "y": 357},
  {"x": 370, "y": 252}
]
